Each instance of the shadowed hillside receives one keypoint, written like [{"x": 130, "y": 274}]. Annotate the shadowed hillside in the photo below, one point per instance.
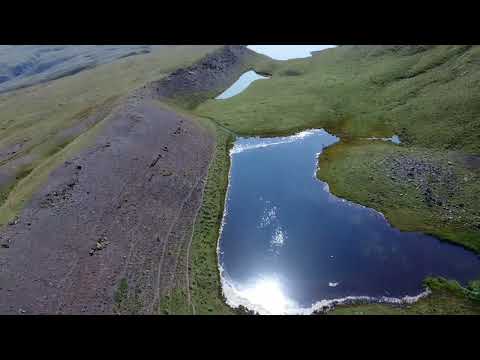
[{"x": 25, "y": 65}]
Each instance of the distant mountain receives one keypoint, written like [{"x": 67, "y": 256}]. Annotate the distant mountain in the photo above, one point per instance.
[{"x": 26, "y": 65}]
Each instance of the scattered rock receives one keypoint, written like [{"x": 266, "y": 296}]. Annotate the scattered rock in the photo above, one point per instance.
[
  {"x": 204, "y": 75},
  {"x": 154, "y": 162},
  {"x": 426, "y": 175},
  {"x": 100, "y": 245},
  {"x": 14, "y": 221},
  {"x": 54, "y": 198}
]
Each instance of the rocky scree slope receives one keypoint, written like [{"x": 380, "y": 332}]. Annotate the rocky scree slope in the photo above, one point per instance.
[{"x": 109, "y": 231}]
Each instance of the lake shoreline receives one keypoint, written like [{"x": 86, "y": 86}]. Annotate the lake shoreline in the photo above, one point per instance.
[{"x": 228, "y": 289}]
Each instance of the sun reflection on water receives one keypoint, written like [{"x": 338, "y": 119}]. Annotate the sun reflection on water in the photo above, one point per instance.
[{"x": 267, "y": 297}]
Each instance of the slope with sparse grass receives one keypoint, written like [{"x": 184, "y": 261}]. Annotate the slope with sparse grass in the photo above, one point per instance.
[
  {"x": 96, "y": 114},
  {"x": 37, "y": 122},
  {"x": 26, "y": 65}
]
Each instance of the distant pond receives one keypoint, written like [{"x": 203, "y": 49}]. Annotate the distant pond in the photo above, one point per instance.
[
  {"x": 240, "y": 85},
  {"x": 287, "y": 245},
  {"x": 287, "y": 52}
]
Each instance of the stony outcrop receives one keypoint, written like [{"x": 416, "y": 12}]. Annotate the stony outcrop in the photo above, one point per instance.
[{"x": 212, "y": 74}]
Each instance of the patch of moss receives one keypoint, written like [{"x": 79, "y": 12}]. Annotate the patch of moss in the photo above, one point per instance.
[{"x": 447, "y": 297}]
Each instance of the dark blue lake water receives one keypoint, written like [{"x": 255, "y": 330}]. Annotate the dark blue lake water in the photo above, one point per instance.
[{"x": 287, "y": 243}]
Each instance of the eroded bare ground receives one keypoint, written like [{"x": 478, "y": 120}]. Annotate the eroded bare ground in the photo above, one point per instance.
[{"x": 121, "y": 209}]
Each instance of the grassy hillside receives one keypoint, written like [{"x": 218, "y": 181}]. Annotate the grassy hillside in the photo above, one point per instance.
[
  {"x": 427, "y": 95},
  {"x": 358, "y": 91},
  {"x": 447, "y": 297},
  {"x": 36, "y": 123},
  {"x": 26, "y": 65}
]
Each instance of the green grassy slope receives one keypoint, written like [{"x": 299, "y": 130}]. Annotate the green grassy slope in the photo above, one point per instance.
[
  {"x": 447, "y": 297},
  {"x": 38, "y": 114},
  {"x": 358, "y": 92},
  {"x": 26, "y": 65},
  {"x": 362, "y": 172},
  {"x": 427, "y": 97}
]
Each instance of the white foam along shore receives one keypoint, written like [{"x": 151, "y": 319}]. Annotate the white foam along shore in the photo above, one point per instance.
[
  {"x": 242, "y": 143},
  {"x": 235, "y": 297}
]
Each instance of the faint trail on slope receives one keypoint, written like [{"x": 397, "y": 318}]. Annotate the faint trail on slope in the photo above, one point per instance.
[
  {"x": 191, "y": 237},
  {"x": 157, "y": 284}
]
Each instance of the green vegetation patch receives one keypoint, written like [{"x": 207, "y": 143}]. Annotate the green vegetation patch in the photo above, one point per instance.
[
  {"x": 206, "y": 291},
  {"x": 206, "y": 287},
  {"x": 175, "y": 303},
  {"x": 417, "y": 189},
  {"x": 358, "y": 92},
  {"x": 127, "y": 300},
  {"x": 447, "y": 297}
]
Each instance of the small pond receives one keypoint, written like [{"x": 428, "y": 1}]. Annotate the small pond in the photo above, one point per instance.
[
  {"x": 287, "y": 52},
  {"x": 240, "y": 85},
  {"x": 278, "y": 52}
]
